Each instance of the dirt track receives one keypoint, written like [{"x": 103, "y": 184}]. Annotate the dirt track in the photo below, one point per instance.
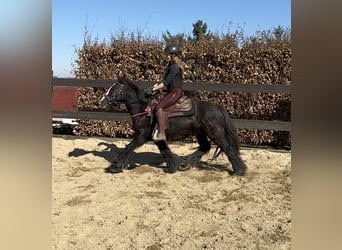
[{"x": 144, "y": 208}]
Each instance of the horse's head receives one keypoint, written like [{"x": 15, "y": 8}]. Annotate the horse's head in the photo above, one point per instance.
[
  {"x": 124, "y": 91},
  {"x": 115, "y": 94}
]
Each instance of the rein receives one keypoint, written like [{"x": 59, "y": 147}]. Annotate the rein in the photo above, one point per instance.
[{"x": 147, "y": 111}]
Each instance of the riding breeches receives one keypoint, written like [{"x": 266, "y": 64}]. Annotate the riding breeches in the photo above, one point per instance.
[{"x": 170, "y": 98}]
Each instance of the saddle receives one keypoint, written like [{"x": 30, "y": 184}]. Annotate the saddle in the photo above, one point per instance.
[{"x": 183, "y": 107}]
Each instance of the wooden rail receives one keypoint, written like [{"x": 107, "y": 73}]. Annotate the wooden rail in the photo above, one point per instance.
[{"x": 221, "y": 87}]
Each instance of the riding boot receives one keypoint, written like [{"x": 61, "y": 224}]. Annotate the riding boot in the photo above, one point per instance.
[{"x": 162, "y": 119}]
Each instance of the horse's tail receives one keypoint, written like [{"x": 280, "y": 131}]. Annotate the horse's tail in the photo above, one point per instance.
[
  {"x": 230, "y": 132},
  {"x": 232, "y": 151},
  {"x": 230, "y": 135}
]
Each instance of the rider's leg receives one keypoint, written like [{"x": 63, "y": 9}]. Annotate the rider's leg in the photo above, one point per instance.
[
  {"x": 162, "y": 118},
  {"x": 162, "y": 125}
]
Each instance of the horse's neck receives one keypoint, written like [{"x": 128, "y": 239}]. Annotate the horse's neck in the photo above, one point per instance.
[{"x": 134, "y": 105}]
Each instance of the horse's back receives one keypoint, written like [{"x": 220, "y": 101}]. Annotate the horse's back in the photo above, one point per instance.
[
  {"x": 207, "y": 110},
  {"x": 207, "y": 116}
]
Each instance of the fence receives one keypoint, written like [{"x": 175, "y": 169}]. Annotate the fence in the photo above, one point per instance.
[{"x": 228, "y": 87}]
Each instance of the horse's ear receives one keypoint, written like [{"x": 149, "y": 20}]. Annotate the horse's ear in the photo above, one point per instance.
[
  {"x": 120, "y": 79},
  {"x": 123, "y": 78}
]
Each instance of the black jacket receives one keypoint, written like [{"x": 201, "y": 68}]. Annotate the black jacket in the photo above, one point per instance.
[{"x": 173, "y": 77}]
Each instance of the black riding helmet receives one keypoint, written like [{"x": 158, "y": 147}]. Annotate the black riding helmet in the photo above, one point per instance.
[{"x": 172, "y": 49}]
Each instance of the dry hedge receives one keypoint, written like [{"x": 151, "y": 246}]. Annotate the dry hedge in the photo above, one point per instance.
[{"x": 215, "y": 60}]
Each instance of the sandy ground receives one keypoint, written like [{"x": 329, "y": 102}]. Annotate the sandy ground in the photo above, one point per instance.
[{"x": 144, "y": 208}]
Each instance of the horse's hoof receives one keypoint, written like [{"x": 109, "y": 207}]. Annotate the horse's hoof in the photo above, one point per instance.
[
  {"x": 131, "y": 166},
  {"x": 170, "y": 170},
  {"x": 238, "y": 173},
  {"x": 184, "y": 167},
  {"x": 113, "y": 170}
]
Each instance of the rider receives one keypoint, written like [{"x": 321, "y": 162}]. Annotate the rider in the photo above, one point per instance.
[{"x": 173, "y": 81}]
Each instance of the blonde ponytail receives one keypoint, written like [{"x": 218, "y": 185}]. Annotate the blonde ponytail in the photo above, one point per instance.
[{"x": 177, "y": 60}]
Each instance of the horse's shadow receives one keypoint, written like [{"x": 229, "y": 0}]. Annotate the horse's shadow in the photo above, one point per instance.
[
  {"x": 111, "y": 152},
  {"x": 205, "y": 165}
]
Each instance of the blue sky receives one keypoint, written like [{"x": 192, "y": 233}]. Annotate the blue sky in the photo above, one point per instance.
[{"x": 152, "y": 17}]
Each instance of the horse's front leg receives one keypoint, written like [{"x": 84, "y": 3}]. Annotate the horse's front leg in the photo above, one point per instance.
[
  {"x": 172, "y": 160},
  {"x": 121, "y": 162}
]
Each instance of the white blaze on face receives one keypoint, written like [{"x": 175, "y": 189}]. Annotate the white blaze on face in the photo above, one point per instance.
[{"x": 107, "y": 93}]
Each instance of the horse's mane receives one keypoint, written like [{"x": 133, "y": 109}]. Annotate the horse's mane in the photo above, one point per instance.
[{"x": 139, "y": 92}]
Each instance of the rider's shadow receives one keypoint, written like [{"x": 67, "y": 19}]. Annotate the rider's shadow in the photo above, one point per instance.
[{"x": 111, "y": 152}]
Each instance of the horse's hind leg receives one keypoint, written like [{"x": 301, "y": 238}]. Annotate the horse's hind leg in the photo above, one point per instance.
[
  {"x": 195, "y": 157},
  {"x": 229, "y": 147},
  {"x": 172, "y": 160}
]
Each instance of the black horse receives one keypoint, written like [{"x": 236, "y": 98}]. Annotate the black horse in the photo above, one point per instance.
[{"x": 208, "y": 123}]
